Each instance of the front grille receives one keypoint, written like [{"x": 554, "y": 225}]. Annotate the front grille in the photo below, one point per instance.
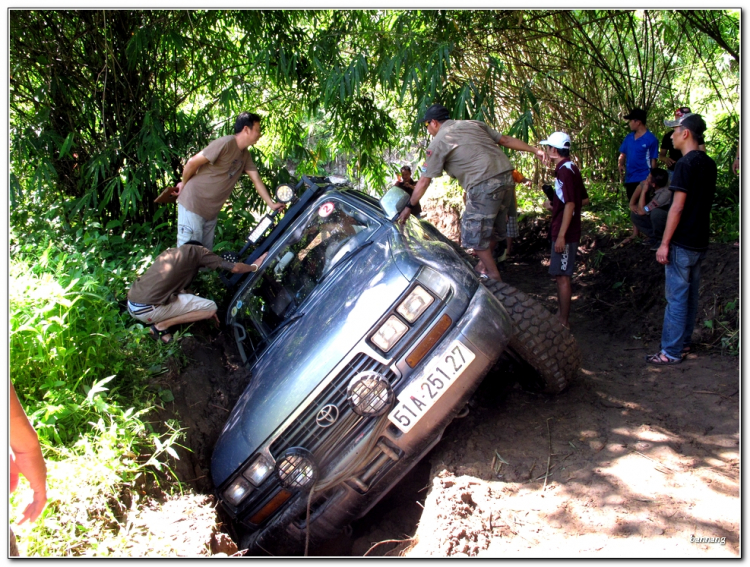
[{"x": 305, "y": 432}]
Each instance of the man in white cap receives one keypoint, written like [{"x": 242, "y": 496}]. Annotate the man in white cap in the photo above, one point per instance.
[
  {"x": 470, "y": 151},
  {"x": 565, "y": 229}
]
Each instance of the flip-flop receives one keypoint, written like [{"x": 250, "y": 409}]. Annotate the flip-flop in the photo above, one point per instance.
[
  {"x": 659, "y": 361},
  {"x": 156, "y": 334}
]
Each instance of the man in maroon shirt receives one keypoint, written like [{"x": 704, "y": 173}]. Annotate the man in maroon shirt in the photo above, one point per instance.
[{"x": 565, "y": 229}]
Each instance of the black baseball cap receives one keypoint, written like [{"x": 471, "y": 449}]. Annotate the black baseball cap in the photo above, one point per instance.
[
  {"x": 636, "y": 114},
  {"x": 692, "y": 122},
  {"x": 436, "y": 112}
]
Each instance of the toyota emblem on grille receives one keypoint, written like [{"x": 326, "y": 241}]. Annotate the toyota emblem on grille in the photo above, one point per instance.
[{"x": 327, "y": 415}]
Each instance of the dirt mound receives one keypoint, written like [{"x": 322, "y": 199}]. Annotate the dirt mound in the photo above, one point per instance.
[
  {"x": 180, "y": 526},
  {"x": 205, "y": 390}
]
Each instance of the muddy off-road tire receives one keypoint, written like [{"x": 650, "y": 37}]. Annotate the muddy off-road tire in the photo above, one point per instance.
[{"x": 539, "y": 339}]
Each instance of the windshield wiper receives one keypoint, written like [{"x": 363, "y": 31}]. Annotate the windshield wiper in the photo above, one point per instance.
[
  {"x": 283, "y": 324},
  {"x": 347, "y": 255}
]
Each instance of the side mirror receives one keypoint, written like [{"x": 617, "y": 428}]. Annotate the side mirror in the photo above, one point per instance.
[{"x": 394, "y": 201}]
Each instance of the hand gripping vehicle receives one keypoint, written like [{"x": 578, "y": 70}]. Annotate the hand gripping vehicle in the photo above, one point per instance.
[{"x": 364, "y": 339}]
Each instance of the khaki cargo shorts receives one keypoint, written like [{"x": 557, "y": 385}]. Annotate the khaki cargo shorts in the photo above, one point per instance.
[
  {"x": 487, "y": 205},
  {"x": 182, "y": 304}
]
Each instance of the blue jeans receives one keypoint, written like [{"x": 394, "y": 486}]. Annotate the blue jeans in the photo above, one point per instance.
[{"x": 683, "y": 274}]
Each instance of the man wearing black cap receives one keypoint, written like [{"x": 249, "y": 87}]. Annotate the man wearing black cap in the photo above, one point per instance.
[
  {"x": 668, "y": 153},
  {"x": 638, "y": 153},
  {"x": 685, "y": 239},
  {"x": 469, "y": 150}
]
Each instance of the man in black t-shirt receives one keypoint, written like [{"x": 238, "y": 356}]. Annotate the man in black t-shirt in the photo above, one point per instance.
[
  {"x": 407, "y": 183},
  {"x": 685, "y": 239}
]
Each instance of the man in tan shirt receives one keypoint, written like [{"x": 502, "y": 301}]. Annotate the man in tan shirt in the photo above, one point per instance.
[
  {"x": 209, "y": 177},
  {"x": 159, "y": 298},
  {"x": 469, "y": 150}
]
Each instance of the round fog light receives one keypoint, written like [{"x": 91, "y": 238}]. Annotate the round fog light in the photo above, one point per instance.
[
  {"x": 370, "y": 394},
  {"x": 296, "y": 469},
  {"x": 284, "y": 193}
]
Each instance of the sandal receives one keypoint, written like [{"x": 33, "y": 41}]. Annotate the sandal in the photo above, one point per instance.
[
  {"x": 157, "y": 335},
  {"x": 661, "y": 359}
]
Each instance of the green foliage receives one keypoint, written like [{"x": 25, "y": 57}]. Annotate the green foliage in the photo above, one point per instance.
[
  {"x": 338, "y": 87},
  {"x": 81, "y": 367}
]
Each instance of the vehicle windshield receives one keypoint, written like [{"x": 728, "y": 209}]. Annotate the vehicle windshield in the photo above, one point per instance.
[{"x": 316, "y": 244}]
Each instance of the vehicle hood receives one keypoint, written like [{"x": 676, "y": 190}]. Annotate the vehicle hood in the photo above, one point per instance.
[{"x": 337, "y": 316}]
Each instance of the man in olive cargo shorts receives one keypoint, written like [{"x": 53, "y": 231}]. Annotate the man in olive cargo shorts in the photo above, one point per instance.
[{"x": 469, "y": 150}]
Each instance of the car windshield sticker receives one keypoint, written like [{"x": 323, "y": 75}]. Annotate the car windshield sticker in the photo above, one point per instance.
[{"x": 326, "y": 209}]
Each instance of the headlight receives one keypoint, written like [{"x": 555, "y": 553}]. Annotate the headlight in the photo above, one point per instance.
[
  {"x": 237, "y": 491},
  {"x": 389, "y": 333},
  {"x": 258, "y": 470},
  {"x": 435, "y": 282},
  {"x": 284, "y": 193},
  {"x": 415, "y": 304},
  {"x": 296, "y": 469},
  {"x": 369, "y": 394}
]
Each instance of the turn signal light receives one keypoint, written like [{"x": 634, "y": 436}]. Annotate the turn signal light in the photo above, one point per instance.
[
  {"x": 435, "y": 334},
  {"x": 274, "y": 504}
]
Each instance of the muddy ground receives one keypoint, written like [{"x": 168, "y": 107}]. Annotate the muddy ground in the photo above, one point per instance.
[{"x": 631, "y": 461}]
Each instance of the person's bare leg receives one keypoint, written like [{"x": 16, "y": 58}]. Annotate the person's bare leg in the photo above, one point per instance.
[
  {"x": 186, "y": 318},
  {"x": 509, "y": 244},
  {"x": 489, "y": 263},
  {"x": 563, "y": 297}
]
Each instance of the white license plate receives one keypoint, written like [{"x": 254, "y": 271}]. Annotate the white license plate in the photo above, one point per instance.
[{"x": 422, "y": 393}]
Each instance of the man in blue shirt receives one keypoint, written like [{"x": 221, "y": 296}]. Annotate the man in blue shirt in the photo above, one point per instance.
[{"x": 638, "y": 153}]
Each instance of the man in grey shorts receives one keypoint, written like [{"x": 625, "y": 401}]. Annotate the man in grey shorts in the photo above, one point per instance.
[
  {"x": 469, "y": 150},
  {"x": 158, "y": 298},
  {"x": 209, "y": 177}
]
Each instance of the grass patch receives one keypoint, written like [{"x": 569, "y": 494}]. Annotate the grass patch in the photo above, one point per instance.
[{"x": 81, "y": 368}]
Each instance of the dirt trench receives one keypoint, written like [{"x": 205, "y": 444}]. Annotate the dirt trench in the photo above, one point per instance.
[{"x": 631, "y": 460}]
